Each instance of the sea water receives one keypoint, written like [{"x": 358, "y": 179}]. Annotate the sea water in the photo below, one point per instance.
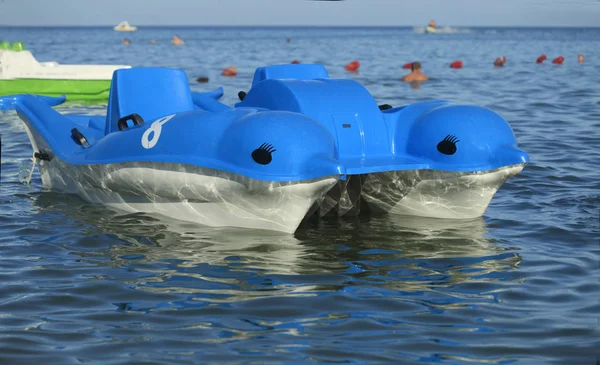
[{"x": 84, "y": 284}]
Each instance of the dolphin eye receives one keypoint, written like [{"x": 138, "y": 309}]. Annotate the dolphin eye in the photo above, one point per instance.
[
  {"x": 448, "y": 145},
  {"x": 263, "y": 154}
]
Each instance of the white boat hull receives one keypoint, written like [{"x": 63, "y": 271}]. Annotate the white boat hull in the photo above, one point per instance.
[
  {"x": 125, "y": 27},
  {"x": 444, "y": 194},
  {"x": 22, "y": 65},
  {"x": 189, "y": 193},
  {"x": 204, "y": 196},
  {"x": 422, "y": 193}
]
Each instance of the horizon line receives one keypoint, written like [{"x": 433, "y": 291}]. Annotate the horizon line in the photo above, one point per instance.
[{"x": 293, "y": 26}]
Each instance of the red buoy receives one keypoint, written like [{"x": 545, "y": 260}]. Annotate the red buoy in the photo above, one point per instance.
[
  {"x": 230, "y": 71},
  {"x": 558, "y": 60},
  {"x": 295, "y": 62},
  {"x": 456, "y": 64},
  {"x": 353, "y": 66},
  {"x": 407, "y": 65},
  {"x": 541, "y": 58}
]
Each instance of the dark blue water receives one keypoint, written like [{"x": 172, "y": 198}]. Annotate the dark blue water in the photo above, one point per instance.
[{"x": 84, "y": 284}]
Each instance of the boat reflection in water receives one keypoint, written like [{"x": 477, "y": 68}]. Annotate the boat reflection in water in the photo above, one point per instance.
[{"x": 409, "y": 258}]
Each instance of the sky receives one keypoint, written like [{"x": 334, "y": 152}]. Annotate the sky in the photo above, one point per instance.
[{"x": 300, "y": 12}]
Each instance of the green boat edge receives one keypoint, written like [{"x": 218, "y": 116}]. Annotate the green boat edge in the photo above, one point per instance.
[{"x": 75, "y": 90}]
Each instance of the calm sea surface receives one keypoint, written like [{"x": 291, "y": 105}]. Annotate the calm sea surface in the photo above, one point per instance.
[{"x": 83, "y": 284}]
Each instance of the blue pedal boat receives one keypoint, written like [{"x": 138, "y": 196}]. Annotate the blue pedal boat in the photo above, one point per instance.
[
  {"x": 432, "y": 159},
  {"x": 298, "y": 143}
]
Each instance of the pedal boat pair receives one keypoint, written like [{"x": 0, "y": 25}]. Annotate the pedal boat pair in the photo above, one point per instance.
[{"x": 297, "y": 144}]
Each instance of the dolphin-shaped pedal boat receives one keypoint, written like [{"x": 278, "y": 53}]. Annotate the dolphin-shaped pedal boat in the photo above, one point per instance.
[
  {"x": 431, "y": 159},
  {"x": 298, "y": 143}
]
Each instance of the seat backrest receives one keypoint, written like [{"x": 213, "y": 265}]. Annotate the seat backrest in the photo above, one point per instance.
[
  {"x": 291, "y": 71},
  {"x": 148, "y": 91}
]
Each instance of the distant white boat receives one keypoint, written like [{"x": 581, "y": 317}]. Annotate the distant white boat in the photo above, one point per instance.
[
  {"x": 125, "y": 27},
  {"x": 444, "y": 30},
  {"x": 431, "y": 27}
]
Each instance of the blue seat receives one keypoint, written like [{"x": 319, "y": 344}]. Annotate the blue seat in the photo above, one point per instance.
[
  {"x": 150, "y": 92},
  {"x": 298, "y": 72}
]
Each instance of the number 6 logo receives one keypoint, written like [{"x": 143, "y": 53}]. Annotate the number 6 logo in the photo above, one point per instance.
[{"x": 154, "y": 130}]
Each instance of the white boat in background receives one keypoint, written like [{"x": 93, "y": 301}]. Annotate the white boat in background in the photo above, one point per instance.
[
  {"x": 21, "y": 73},
  {"x": 125, "y": 27},
  {"x": 431, "y": 27}
]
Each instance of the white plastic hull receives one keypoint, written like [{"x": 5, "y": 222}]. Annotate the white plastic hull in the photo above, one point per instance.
[
  {"x": 436, "y": 194},
  {"x": 204, "y": 196},
  {"x": 422, "y": 193}
]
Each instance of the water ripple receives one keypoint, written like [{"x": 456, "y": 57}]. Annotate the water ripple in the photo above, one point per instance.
[{"x": 85, "y": 284}]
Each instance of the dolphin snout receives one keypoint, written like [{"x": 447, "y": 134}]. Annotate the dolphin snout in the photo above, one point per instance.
[{"x": 510, "y": 155}]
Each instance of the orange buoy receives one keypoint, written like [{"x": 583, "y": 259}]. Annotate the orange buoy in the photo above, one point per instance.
[
  {"x": 407, "y": 66},
  {"x": 353, "y": 66},
  {"x": 456, "y": 64},
  {"x": 541, "y": 58},
  {"x": 230, "y": 71},
  {"x": 558, "y": 60},
  {"x": 580, "y": 58},
  {"x": 499, "y": 62},
  {"x": 295, "y": 62}
]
